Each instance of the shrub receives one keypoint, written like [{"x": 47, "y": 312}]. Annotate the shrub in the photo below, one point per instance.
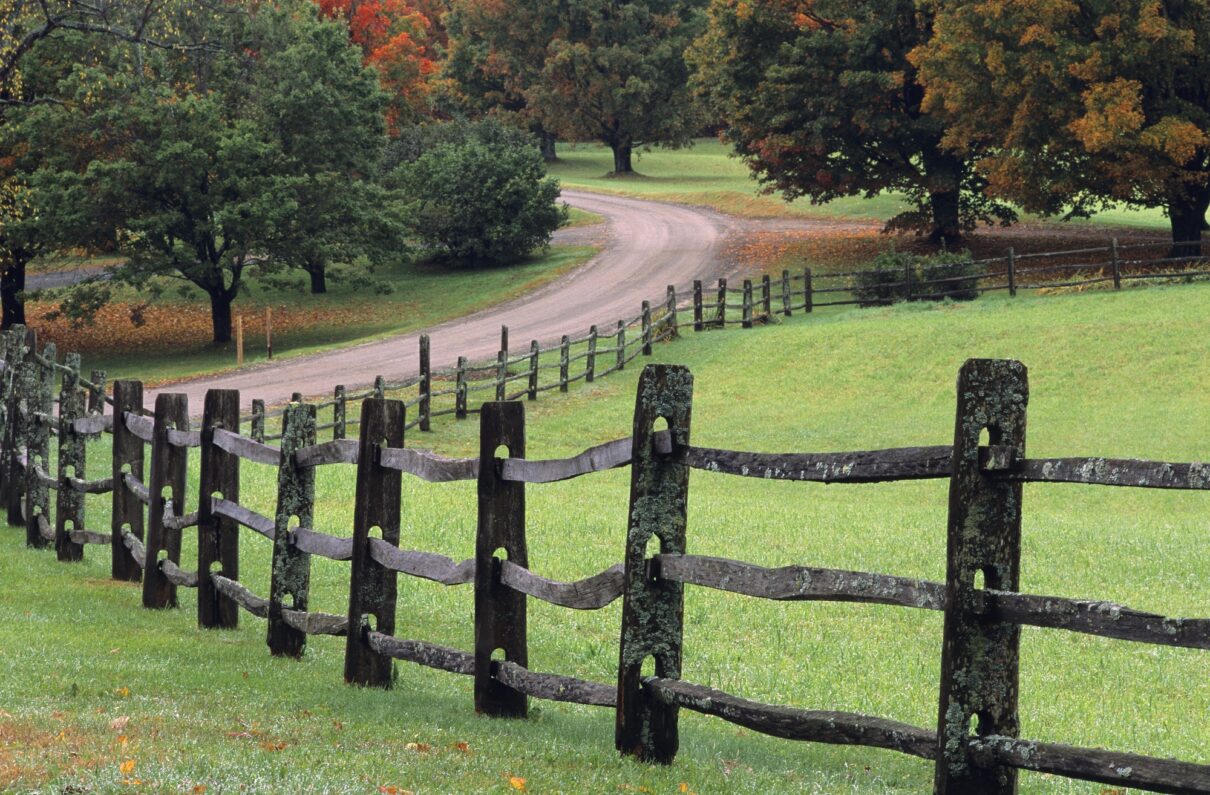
[
  {"x": 481, "y": 203},
  {"x": 899, "y": 276},
  {"x": 947, "y": 275},
  {"x": 885, "y": 282}
]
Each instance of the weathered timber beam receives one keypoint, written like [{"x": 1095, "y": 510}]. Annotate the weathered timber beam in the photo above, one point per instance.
[{"x": 590, "y": 593}]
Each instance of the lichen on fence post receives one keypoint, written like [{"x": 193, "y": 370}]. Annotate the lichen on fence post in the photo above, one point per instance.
[
  {"x": 499, "y": 610},
  {"x": 169, "y": 465},
  {"x": 747, "y": 304},
  {"x": 380, "y": 387},
  {"x": 620, "y": 346},
  {"x": 646, "y": 328},
  {"x": 217, "y": 536},
  {"x": 128, "y": 455},
  {"x": 697, "y": 305},
  {"x": 531, "y": 392},
  {"x": 720, "y": 306},
  {"x": 652, "y": 609},
  {"x": 785, "y": 293},
  {"x": 564, "y": 361},
  {"x": 13, "y": 341},
  {"x": 339, "y": 412},
  {"x": 258, "y": 420},
  {"x": 426, "y": 384},
  {"x": 671, "y": 320},
  {"x": 979, "y": 660},
  {"x": 69, "y": 503},
  {"x": 291, "y": 577},
  {"x": 372, "y": 586},
  {"x": 40, "y": 405},
  {"x": 590, "y": 361},
  {"x": 460, "y": 389}
]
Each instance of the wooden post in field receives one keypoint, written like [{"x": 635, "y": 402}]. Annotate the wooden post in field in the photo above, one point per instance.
[
  {"x": 721, "y": 304},
  {"x": 652, "y": 609},
  {"x": 126, "y": 511},
  {"x": 20, "y": 423},
  {"x": 620, "y": 346},
  {"x": 767, "y": 299},
  {"x": 269, "y": 332},
  {"x": 808, "y": 291},
  {"x": 380, "y": 387},
  {"x": 340, "y": 412},
  {"x": 460, "y": 390},
  {"x": 14, "y": 341},
  {"x": 426, "y": 384},
  {"x": 258, "y": 420},
  {"x": 979, "y": 659},
  {"x": 168, "y": 470},
  {"x": 670, "y": 309},
  {"x": 291, "y": 576},
  {"x": 590, "y": 361},
  {"x": 40, "y": 404},
  {"x": 531, "y": 392},
  {"x": 239, "y": 340},
  {"x": 697, "y": 305},
  {"x": 96, "y": 394},
  {"x": 564, "y": 361},
  {"x": 1117, "y": 264},
  {"x": 786, "y": 309},
  {"x": 1012, "y": 272},
  {"x": 499, "y": 610},
  {"x": 747, "y": 305},
  {"x": 69, "y": 503},
  {"x": 646, "y": 328},
  {"x": 372, "y": 586},
  {"x": 502, "y": 363},
  {"x": 217, "y": 536}
]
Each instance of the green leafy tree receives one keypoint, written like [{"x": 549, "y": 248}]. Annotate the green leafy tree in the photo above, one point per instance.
[
  {"x": 821, "y": 101},
  {"x": 1077, "y": 105},
  {"x": 481, "y": 200}
]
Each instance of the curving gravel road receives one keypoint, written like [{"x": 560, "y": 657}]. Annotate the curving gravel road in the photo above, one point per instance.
[{"x": 649, "y": 245}]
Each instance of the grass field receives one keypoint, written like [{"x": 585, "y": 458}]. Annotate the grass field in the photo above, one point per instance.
[
  {"x": 99, "y": 695},
  {"x": 706, "y": 174}
]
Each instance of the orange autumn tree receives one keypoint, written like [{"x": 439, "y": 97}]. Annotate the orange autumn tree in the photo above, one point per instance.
[{"x": 397, "y": 38}]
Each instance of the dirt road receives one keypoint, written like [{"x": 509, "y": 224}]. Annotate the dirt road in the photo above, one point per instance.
[{"x": 648, "y": 245}]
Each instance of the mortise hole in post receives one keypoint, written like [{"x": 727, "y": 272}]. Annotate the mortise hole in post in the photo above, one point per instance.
[
  {"x": 502, "y": 451},
  {"x": 500, "y": 553},
  {"x": 374, "y": 532},
  {"x": 979, "y": 580},
  {"x": 499, "y": 655},
  {"x": 659, "y": 424},
  {"x": 653, "y": 546},
  {"x": 216, "y": 567},
  {"x": 648, "y": 667},
  {"x": 126, "y": 469},
  {"x": 972, "y": 727},
  {"x": 161, "y": 556},
  {"x": 985, "y": 438}
]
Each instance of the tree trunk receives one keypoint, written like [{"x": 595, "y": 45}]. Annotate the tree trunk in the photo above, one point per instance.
[
  {"x": 12, "y": 287},
  {"x": 1187, "y": 214},
  {"x": 319, "y": 277},
  {"x": 220, "y": 316},
  {"x": 946, "y": 227},
  {"x": 546, "y": 143},
  {"x": 621, "y": 158}
]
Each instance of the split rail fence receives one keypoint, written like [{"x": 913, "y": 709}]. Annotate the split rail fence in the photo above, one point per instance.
[{"x": 974, "y": 746}]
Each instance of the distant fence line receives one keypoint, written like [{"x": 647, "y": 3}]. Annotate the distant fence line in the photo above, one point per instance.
[{"x": 975, "y": 746}]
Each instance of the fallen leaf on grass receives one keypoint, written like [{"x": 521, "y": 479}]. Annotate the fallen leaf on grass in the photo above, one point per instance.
[
  {"x": 463, "y": 747},
  {"x": 420, "y": 748},
  {"x": 390, "y": 789},
  {"x": 119, "y": 723},
  {"x": 198, "y": 789},
  {"x": 122, "y": 692},
  {"x": 269, "y": 745},
  {"x": 127, "y": 767},
  {"x": 517, "y": 783}
]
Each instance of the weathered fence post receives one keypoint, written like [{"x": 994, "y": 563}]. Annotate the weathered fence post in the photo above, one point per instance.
[
  {"x": 697, "y": 305},
  {"x": 380, "y": 387},
  {"x": 24, "y": 381},
  {"x": 564, "y": 361},
  {"x": 258, "y": 420},
  {"x": 531, "y": 392},
  {"x": 41, "y": 406},
  {"x": 69, "y": 503},
  {"x": 460, "y": 389},
  {"x": 372, "y": 586},
  {"x": 652, "y": 609},
  {"x": 786, "y": 309},
  {"x": 909, "y": 273},
  {"x": 979, "y": 659},
  {"x": 721, "y": 304},
  {"x": 217, "y": 536},
  {"x": 339, "y": 413},
  {"x": 291, "y": 575},
  {"x": 501, "y": 373},
  {"x": 168, "y": 470},
  {"x": 1117, "y": 264},
  {"x": 620, "y": 346},
  {"x": 426, "y": 384},
  {"x": 590, "y": 361},
  {"x": 646, "y": 328},
  {"x": 747, "y": 305},
  {"x": 808, "y": 290},
  {"x": 767, "y": 299},
  {"x": 14, "y": 341},
  {"x": 499, "y": 610},
  {"x": 128, "y": 455},
  {"x": 1012, "y": 272},
  {"x": 670, "y": 310},
  {"x": 96, "y": 393}
]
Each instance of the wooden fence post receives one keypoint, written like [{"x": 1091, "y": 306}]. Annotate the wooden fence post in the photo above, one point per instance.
[
  {"x": 460, "y": 390},
  {"x": 697, "y": 305},
  {"x": 372, "y": 587},
  {"x": 909, "y": 274},
  {"x": 14, "y": 341},
  {"x": 426, "y": 384},
  {"x": 652, "y": 609},
  {"x": 41, "y": 405},
  {"x": 767, "y": 299},
  {"x": 217, "y": 536},
  {"x": 258, "y": 420},
  {"x": 499, "y": 610},
  {"x": 295, "y": 500},
  {"x": 670, "y": 309},
  {"x": 590, "y": 362},
  {"x": 380, "y": 387},
  {"x": 24, "y": 381},
  {"x": 501, "y": 373},
  {"x": 646, "y": 328},
  {"x": 620, "y": 346},
  {"x": 721, "y": 304},
  {"x": 69, "y": 503},
  {"x": 564, "y": 361},
  {"x": 339, "y": 413},
  {"x": 1012, "y": 272},
  {"x": 531, "y": 392},
  {"x": 747, "y": 305},
  {"x": 808, "y": 290},
  {"x": 96, "y": 394},
  {"x": 168, "y": 470},
  {"x": 1117, "y": 264},
  {"x": 128, "y": 454},
  {"x": 979, "y": 660},
  {"x": 786, "y": 295}
]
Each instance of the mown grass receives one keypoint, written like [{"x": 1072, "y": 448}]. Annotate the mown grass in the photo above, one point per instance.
[
  {"x": 708, "y": 175},
  {"x": 1121, "y": 374}
]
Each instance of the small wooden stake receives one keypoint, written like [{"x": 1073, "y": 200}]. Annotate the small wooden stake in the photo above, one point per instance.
[
  {"x": 721, "y": 304},
  {"x": 786, "y": 309},
  {"x": 426, "y": 384},
  {"x": 269, "y": 331},
  {"x": 746, "y": 321},
  {"x": 697, "y": 305},
  {"x": 460, "y": 390},
  {"x": 767, "y": 297},
  {"x": 590, "y": 361},
  {"x": 1117, "y": 264},
  {"x": 808, "y": 294},
  {"x": 217, "y": 536},
  {"x": 258, "y": 420},
  {"x": 564, "y": 361},
  {"x": 531, "y": 392},
  {"x": 670, "y": 309},
  {"x": 339, "y": 412},
  {"x": 1012, "y": 272},
  {"x": 646, "y": 328},
  {"x": 239, "y": 340}
]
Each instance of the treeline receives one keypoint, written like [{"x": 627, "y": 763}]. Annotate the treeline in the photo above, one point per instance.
[{"x": 284, "y": 123}]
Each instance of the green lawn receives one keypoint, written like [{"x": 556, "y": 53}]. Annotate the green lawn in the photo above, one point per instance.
[
  {"x": 1117, "y": 374},
  {"x": 706, "y": 174}
]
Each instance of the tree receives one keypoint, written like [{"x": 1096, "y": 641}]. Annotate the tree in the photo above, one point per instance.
[
  {"x": 1080, "y": 104},
  {"x": 200, "y": 166},
  {"x": 821, "y": 101},
  {"x": 479, "y": 198}
]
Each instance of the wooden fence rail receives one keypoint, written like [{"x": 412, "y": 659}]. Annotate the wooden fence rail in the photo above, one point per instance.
[{"x": 974, "y": 745}]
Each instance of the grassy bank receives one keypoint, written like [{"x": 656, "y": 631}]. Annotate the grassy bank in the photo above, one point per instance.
[{"x": 90, "y": 682}]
